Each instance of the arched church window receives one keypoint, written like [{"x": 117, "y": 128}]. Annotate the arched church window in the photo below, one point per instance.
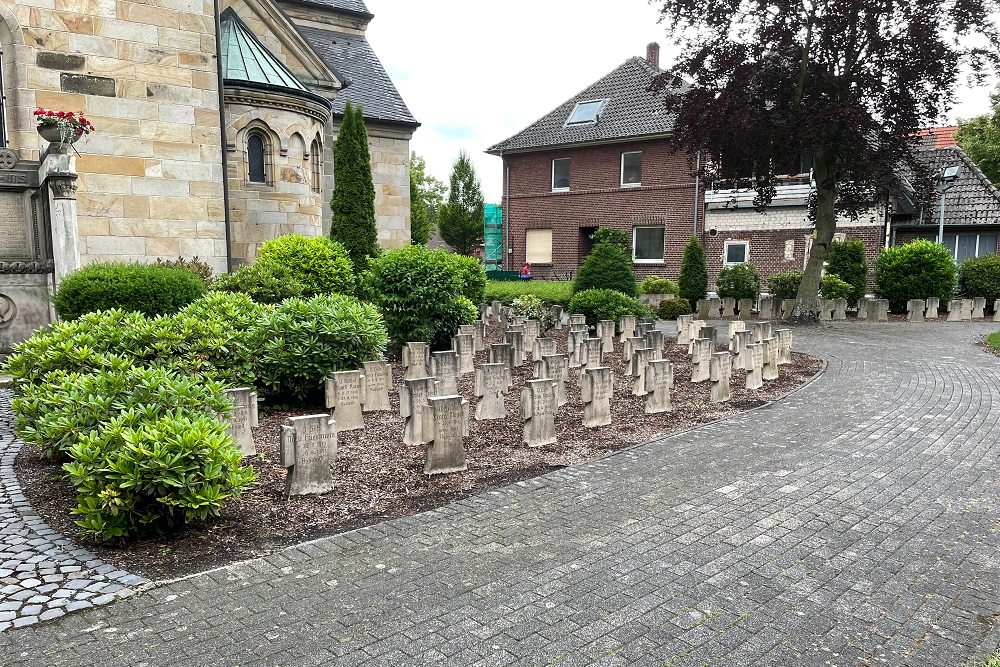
[
  {"x": 316, "y": 166},
  {"x": 258, "y": 157}
]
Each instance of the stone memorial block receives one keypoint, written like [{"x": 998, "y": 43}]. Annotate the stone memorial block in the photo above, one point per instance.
[
  {"x": 659, "y": 382},
  {"x": 626, "y": 327},
  {"x": 502, "y": 353},
  {"x": 416, "y": 360},
  {"x": 413, "y": 395},
  {"x": 766, "y": 308},
  {"x": 740, "y": 342},
  {"x": 651, "y": 321},
  {"x": 606, "y": 332},
  {"x": 787, "y": 309},
  {"x": 590, "y": 352},
  {"x": 630, "y": 345},
  {"x": 478, "y": 335},
  {"x": 770, "y": 370},
  {"x": 531, "y": 329},
  {"x": 573, "y": 344},
  {"x": 733, "y": 328},
  {"x": 694, "y": 333},
  {"x": 495, "y": 308},
  {"x": 701, "y": 359},
  {"x": 557, "y": 316},
  {"x": 542, "y": 347},
  {"x": 955, "y": 310},
  {"x": 933, "y": 306},
  {"x": 444, "y": 366},
  {"x": 754, "y": 365},
  {"x": 596, "y": 388},
  {"x": 652, "y": 300},
  {"x": 714, "y": 308},
  {"x": 826, "y": 308},
  {"x": 244, "y": 415},
  {"x": 345, "y": 392},
  {"x": 464, "y": 346},
  {"x": 720, "y": 370},
  {"x": 703, "y": 309},
  {"x": 863, "y": 308},
  {"x": 728, "y": 306},
  {"x": 515, "y": 339},
  {"x": 642, "y": 328},
  {"x": 967, "y": 310},
  {"x": 492, "y": 384},
  {"x": 538, "y": 409},
  {"x": 745, "y": 309},
  {"x": 466, "y": 329},
  {"x": 684, "y": 329},
  {"x": 654, "y": 339},
  {"x": 761, "y": 330},
  {"x": 446, "y": 424},
  {"x": 840, "y": 309},
  {"x": 784, "y": 338},
  {"x": 878, "y": 310},
  {"x": 915, "y": 310},
  {"x": 996, "y": 310},
  {"x": 308, "y": 449},
  {"x": 709, "y": 332},
  {"x": 578, "y": 319},
  {"x": 378, "y": 379},
  {"x": 641, "y": 357},
  {"x": 978, "y": 308},
  {"x": 505, "y": 314},
  {"x": 555, "y": 367}
]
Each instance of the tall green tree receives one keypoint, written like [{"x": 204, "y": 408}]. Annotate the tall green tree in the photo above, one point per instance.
[
  {"x": 432, "y": 191},
  {"x": 353, "y": 201},
  {"x": 980, "y": 138},
  {"x": 461, "y": 219},
  {"x": 420, "y": 224},
  {"x": 693, "y": 281}
]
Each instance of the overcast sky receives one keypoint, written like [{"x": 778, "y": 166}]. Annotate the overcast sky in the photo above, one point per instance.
[{"x": 474, "y": 73}]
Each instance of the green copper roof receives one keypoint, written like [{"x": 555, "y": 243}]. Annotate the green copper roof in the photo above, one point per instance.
[{"x": 244, "y": 58}]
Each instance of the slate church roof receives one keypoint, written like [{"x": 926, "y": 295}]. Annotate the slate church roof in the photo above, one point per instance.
[
  {"x": 631, "y": 111},
  {"x": 349, "y": 6}
]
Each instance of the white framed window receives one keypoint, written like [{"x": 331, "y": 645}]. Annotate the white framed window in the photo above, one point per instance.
[
  {"x": 647, "y": 245},
  {"x": 964, "y": 246},
  {"x": 631, "y": 174},
  {"x": 538, "y": 246},
  {"x": 586, "y": 113},
  {"x": 736, "y": 252},
  {"x": 560, "y": 174}
]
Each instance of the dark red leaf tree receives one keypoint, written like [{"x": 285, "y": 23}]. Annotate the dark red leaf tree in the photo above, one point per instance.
[{"x": 847, "y": 82}]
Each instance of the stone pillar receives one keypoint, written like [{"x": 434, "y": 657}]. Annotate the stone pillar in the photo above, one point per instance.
[{"x": 58, "y": 172}]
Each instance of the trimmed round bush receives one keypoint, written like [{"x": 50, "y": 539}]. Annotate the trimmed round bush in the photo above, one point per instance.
[
  {"x": 301, "y": 342},
  {"x": 143, "y": 288},
  {"x": 915, "y": 270},
  {"x": 980, "y": 276},
  {"x": 472, "y": 276},
  {"x": 419, "y": 292},
  {"x": 531, "y": 307},
  {"x": 658, "y": 285},
  {"x": 262, "y": 282},
  {"x": 739, "y": 281},
  {"x": 784, "y": 285},
  {"x": 607, "y": 266},
  {"x": 320, "y": 265},
  {"x": 693, "y": 282},
  {"x": 196, "y": 266},
  {"x": 832, "y": 287},
  {"x": 846, "y": 260},
  {"x": 605, "y": 304},
  {"x": 671, "y": 309}
]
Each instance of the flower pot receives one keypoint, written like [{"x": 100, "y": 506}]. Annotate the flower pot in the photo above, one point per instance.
[{"x": 51, "y": 134}]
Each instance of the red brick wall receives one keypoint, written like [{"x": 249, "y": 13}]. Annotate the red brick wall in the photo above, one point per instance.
[{"x": 596, "y": 199}]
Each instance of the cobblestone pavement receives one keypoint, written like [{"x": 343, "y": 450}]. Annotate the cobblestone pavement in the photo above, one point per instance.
[
  {"x": 856, "y": 522},
  {"x": 42, "y": 574}
]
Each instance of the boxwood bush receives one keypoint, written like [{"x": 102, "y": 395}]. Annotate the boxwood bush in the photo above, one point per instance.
[
  {"x": 143, "y": 288},
  {"x": 784, "y": 285},
  {"x": 832, "y": 287},
  {"x": 658, "y": 285},
  {"x": 301, "y": 342},
  {"x": 915, "y": 270},
  {"x": 846, "y": 260},
  {"x": 739, "y": 281},
  {"x": 607, "y": 266},
  {"x": 530, "y": 307},
  {"x": 472, "y": 275},
  {"x": 557, "y": 292},
  {"x": 420, "y": 294},
  {"x": 320, "y": 265},
  {"x": 980, "y": 276},
  {"x": 263, "y": 282},
  {"x": 606, "y": 304},
  {"x": 670, "y": 309}
]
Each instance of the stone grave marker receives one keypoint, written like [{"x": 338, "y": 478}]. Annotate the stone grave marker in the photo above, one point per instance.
[
  {"x": 416, "y": 360},
  {"x": 446, "y": 424},
  {"x": 308, "y": 449},
  {"x": 996, "y": 310},
  {"x": 746, "y": 309},
  {"x": 654, "y": 339},
  {"x": 979, "y": 308},
  {"x": 502, "y": 353},
  {"x": 345, "y": 392},
  {"x": 754, "y": 365},
  {"x": 244, "y": 417},
  {"x": 626, "y": 328},
  {"x": 840, "y": 309},
  {"x": 787, "y": 309},
  {"x": 955, "y": 310},
  {"x": 784, "y": 338},
  {"x": 515, "y": 339},
  {"x": 826, "y": 308},
  {"x": 740, "y": 342},
  {"x": 630, "y": 345},
  {"x": 606, "y": 332},
  {"x": 464, "y": 346},
  {"x": 967, "y": 310},
  {"x": 495, "y": 308},
  {"x": 915, "y": 310},
  {"x": 555, "y": 367},
  {"x": 640, "y": 360},
  {"x": 576, "y": 318},
  {"x": 538, "y": 409},
  {"x": 728, "y": 306},
  {"x": 703, "y": 309},
  {"x": 701, "y": 359},
  {"x": 466, "y": 329},
  {"x": 444, "y": 366},
  {"x": 684, "y": 329},
  {"x": 770, "y": 370},
  {"x": 878, "y": 311},
  {"x": 720, "y": 370},
  {"x": 659, "y": 381},
  {"x": 590, "y": 352},
  {"x": 596, "y": 387},
  {"x": 766, "y": 308},
  {"x": 378, "y": 379},
  {"x": 505, "y": 314},
  {"x": 642, "y": 328},
  {"x": 542, "y": 347},
  {"x": 413, "y": 395},
  {"x": 761, "y": 330},
  {"x": 557, "y": 316},
  {"x": 733, "y": 328},
  {"x": 714, "y": 308},
  {"x": 694, "y": 333},
  {"x": 492, "y": 384},
  {"x": 574, "y": 343},
  {"x": 531, "y": 330},
  {"x": 863, "y": 308},
  {"x": 933, "y": 306}
]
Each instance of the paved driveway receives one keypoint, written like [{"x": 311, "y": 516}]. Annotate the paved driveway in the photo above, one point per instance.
[{"x": 854, "y": 523}]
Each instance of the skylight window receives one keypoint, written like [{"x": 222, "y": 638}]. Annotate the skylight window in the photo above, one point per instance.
[{"x": 586, "y": 112}]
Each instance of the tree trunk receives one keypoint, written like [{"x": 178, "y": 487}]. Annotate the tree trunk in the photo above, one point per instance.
[{"x": 807, "y": 301}]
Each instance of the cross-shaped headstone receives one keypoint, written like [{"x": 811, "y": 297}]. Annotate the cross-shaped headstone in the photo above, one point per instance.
[
  {"x": 746, "y": 309},
  {"x": 573, "y": 343},
  {"x": 530, "y": 334},
  {"x": 754, "y": 366},
  {"x": 595, "y": 391},
  {"x": 978, "y": 308},
  {"x": 538, "y": 409},
  {"x": 626, "y": 327},
  {"x": 590, "y": 352},
  {"x": 720, "y": 370},
  {"x": 606, "y": 332},
  {"x": 556, "y": 367},
  {"x": 933, "y": 306},
  {"x": 714, "y": 308},
  {"x": 654, "y": 340},
  {"x": 733, "y": 328},
  {"x": 345, "y": 392},
  {"x": 628, "y": 349},
  {"x": 770, "y": 371},
  {"x": 413, "y": 395},
  {"x": 840, "y": 309},
  {"x": 728, "y": 306},
  {"x": 446, "y": 423},
  {"x": 915, "y": 310},
  {"x": 641, "y": 357},
  {"x": 309, "y": 450},
  {"x": 577, "y": 318},
  {"x": 740, "y": 343},
  {"x": 378, "y": 379},
  {"x": 684, "y": 329},
  {"x": 543, "y": 347},
  {"x": 464, "y": 346},
  {"x": 444, "y": 366},
  {"x": 766, "y": 308},
  {"x": 701, "y": 357},
  {"x": 515, "y": 338},
  {"x": 502, "y": 353},
  {"x": 659, "y": 380},
  {"x": 244, "y": 418},
  {"x": 784, "y": 337},
  {"x": 492, "y": 384},
  {"x": 416, "y": 360}
]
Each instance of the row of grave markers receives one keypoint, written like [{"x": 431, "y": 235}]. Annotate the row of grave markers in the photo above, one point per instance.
[{"x": 832, "y": 310}]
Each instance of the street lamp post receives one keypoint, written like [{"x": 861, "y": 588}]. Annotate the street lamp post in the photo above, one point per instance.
[{"x": 945, "y": 180}]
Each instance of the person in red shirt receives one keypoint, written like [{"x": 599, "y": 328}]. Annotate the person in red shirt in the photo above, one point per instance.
[{"x": 526, "y": 272}]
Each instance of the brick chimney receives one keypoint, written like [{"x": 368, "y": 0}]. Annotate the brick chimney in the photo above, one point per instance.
[{"x": 653, "y": 54}]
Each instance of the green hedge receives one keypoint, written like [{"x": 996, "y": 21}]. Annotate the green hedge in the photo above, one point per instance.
[
  {"x": 846, "y": 260},
  {"x": 262, "y": 282},
  {"x": 784, "y": 285},
  {"x": 145, "y": 288},
  {"x": 915, "y": 270},
  {"x": 980, "y": 276},
  {"x": 658, "y": 285},
  {"x": 558, "y": 292},
  {"x": 671, "y": 309},
  {"x": 320, "y": 265},
  {"x": 739, "y": 281},
  {"x": 606, "y": 304},
  {"x": 472, "y": 276},
  {"x": 832, "y": 287}
]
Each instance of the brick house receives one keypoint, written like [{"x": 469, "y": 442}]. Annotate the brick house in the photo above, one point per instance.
[{"x": 600, "y": 159}]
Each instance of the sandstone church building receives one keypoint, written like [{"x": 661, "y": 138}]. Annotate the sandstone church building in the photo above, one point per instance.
[{"x": 193, "y": 154}]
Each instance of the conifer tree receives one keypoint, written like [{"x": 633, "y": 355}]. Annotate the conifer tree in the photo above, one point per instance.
[
  {"x": 353, "y": 202},
  {"x": 420, "y": 224},
  {"x": 461, "y": 219},
  {"x": 693, "y": 282}
]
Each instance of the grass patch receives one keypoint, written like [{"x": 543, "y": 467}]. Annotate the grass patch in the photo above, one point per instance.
[
  {"x": 993, "y": 660},
  {"x": 993, "y": 340},
  {"x": 551, "y": 291}
]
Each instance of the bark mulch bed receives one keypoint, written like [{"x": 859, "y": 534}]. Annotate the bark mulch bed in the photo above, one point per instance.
[{"x": 380, "y": 478}]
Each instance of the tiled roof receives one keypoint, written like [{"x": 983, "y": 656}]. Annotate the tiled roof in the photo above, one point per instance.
[
  {"x": 972, "y": 200},
  {"x": 938, "y": 137},
  {"x": 353, "y": 6},
  {"x": 370, "y": 86},
  {"x": 632, "y": 111}
]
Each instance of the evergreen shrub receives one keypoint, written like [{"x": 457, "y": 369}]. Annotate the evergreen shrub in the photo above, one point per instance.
[
  {"x": 693, "y": 282},
  {"x": 471, "y": 273},
  {"x": 320, "y": 265},
  {"x": 658, "y": 285},
  {"x": 670, "y": 309},
  {"x": 832, "y": 287},
  {"x": 143, "y": 288},
  {"x": 915, "y": 270},
  {"x": 846, "y": 260},
  {"x": 605, "y": 304},
  {"x": 785, "y": 284},
  {"x": 263, "y": 282},
  {"x": 739, "y": 281},
  {"x": 608, "y": 266},
  {"x": 980, "y": 276}
]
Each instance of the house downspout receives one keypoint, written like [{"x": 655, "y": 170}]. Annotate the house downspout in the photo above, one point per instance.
[
  {"x": 697, "y": 192},
  {"x": 506, "y": 213},
  {"x": 222, "y": 137}
]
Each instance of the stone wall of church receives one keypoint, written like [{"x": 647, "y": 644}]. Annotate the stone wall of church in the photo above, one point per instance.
[{"x": 145, "y": 74}]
